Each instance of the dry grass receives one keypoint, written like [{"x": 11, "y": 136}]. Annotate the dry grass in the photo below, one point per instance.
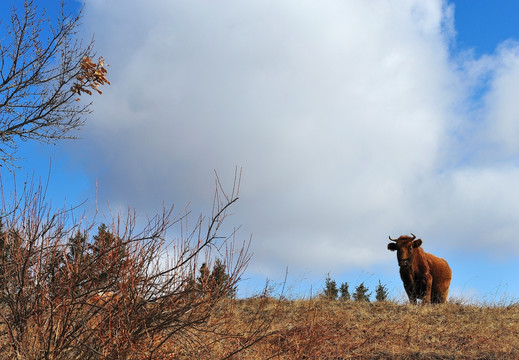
[
  {"x": 319, "y": 329},
  {"x": 265, "y": 328}
]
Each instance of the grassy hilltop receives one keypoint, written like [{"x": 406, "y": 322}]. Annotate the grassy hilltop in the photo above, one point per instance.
[{"x": 322, "y": 329}]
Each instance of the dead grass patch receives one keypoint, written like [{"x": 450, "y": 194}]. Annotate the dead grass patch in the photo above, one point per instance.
[{"x": 320, "y": 329}]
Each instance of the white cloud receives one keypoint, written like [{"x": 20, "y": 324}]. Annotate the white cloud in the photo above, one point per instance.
[
  {"x": 502, "y": 108},
  {"x": 340, "y": 113}
]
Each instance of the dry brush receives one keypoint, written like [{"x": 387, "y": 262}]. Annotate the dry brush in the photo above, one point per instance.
[{"x": 123, "y": 292}]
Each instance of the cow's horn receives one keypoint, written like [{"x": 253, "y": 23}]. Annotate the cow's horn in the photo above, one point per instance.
[
  {"x": 414, "y": 236},
  {"x": 392, "y": 239}
]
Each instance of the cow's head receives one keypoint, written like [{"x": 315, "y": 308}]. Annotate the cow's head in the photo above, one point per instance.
[{"x": 404, "y": 247}]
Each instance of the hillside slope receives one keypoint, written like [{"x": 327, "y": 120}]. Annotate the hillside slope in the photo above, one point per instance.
[{"x": 319, "y": 329}]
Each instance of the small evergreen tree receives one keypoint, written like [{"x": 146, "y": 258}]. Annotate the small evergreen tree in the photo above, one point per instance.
[
  {"x": 202, "y": 282},
  {"x": 215, "y": 280},
  {"x": 330, "y": 289},
  {"x": 345, "y": 293},
  {"x": 381, "y": 292},
  {"x": 361, "y": 293},
  {"x": 220, "y": 277},
  {"x": 109, "y": 253}
]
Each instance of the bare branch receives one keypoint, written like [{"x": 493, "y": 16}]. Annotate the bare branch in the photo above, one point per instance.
[
  {"x": 44, "y": 68},
  {"x": 123, "y": 291}
]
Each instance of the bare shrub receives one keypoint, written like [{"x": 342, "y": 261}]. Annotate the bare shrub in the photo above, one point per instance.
[{"x": 123, "y": 293}]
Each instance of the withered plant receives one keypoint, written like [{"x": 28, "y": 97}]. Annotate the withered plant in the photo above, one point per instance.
[{"x": 123, "y": 292}]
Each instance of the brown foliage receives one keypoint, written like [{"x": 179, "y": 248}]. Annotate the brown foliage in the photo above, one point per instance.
[
  {"x": 92, "y": 75},
  {"x": 120, "y": 294}
]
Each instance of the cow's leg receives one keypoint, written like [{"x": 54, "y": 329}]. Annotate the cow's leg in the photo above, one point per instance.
[
  {"x": 436, "y": 297},
  {"x": 410, "y": 293},
  {"x": 440, "y": 297},
  {"x": 428, "y": 289}
]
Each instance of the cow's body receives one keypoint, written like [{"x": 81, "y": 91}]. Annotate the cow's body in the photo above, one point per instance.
[{"x": 424, "y": 275}]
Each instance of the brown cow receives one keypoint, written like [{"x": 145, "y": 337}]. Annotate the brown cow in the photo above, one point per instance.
[{"x": 424, "y": 275}]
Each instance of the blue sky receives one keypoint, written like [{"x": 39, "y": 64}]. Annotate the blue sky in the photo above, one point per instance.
[
  {"x": 351, "y": 121},
  {"x": 482, "y": 25}
]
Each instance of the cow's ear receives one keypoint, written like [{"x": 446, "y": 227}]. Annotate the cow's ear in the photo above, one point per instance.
[
  {"x": 417, "y": 243},
  {"x": 391, "y": 246}
]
